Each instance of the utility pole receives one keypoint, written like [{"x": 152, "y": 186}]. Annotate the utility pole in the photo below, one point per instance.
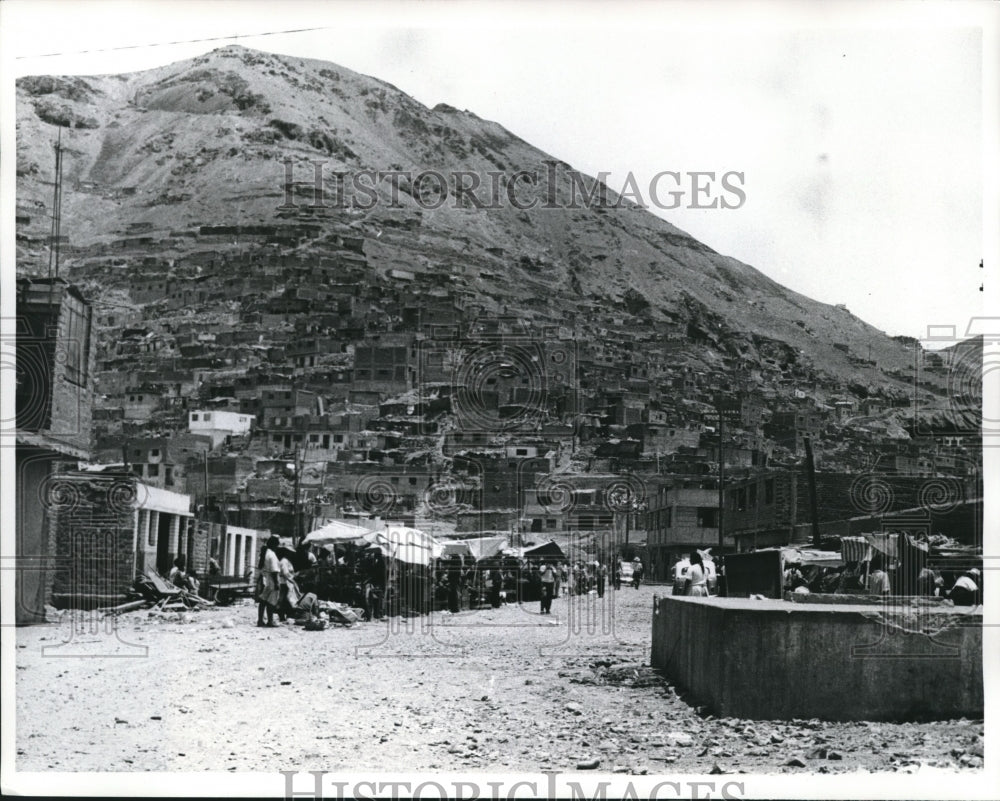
[
  {"x": 722, "y": 476},
  {"x": 205, "y": 515},
  {"x": 295, "y": 512},
  {"x": 56, "y": 211},
  {"x": 811, "y": 478}
]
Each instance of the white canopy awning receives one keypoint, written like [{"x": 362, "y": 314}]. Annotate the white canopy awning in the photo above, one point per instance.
[
  {"x": 335, "y": 532},
  {"x": 409, "y": 545}
]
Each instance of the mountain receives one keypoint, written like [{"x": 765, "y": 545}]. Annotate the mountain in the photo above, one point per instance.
[{"x": 203, "y": 142}]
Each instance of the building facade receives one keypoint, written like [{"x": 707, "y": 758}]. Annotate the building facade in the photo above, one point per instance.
[{"x": 54, "y": 398}]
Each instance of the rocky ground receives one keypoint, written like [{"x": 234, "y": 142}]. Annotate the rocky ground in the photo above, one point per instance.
[{"x": 478, "y": 691}]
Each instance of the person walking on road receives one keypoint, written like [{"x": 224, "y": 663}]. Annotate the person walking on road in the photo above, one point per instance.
[
  {"x": 496, "y": 582},
  {"x": 548, "y": 580},
  {"x": 636, "y": 572}
]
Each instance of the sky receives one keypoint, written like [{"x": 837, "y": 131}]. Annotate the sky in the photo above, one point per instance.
[{"x": 860, "y": 130}]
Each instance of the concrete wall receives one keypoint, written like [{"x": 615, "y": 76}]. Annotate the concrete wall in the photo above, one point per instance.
[
  {"x": 34, "y": 547},
  {"x": 775, "y": 660}
]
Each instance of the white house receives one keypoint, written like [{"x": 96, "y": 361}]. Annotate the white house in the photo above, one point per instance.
[{"x": 219, "y": 424}]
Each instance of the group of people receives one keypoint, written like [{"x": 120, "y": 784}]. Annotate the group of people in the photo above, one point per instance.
[
  {"x": 854, "y": 579},
  {"x": 361, "y": 578},
  {"x": 181, "y": 576},
  {"x": 356, "y": 577},
  {"x": 507, "y": 578}
]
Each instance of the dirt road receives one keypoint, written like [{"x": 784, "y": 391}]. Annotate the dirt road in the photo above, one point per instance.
[{"x": 480, "y": 690}]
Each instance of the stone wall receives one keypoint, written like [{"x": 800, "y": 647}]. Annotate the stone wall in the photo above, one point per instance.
[{"x": 774, "y": 660}]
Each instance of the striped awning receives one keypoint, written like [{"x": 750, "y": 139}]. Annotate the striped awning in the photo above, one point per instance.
[{"x": 855, "y": 549}]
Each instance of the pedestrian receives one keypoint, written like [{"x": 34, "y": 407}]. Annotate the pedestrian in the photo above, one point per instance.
[
  {"x": 850, "y": 582},
  {"x": 496, "y": 582},
  {"x": 927, "y": 582},
  {"x": 965, "y": 591},
  {"x": 454, "y": 584},
  {"x": 636, "y": 572},
  {"x": 268, "y": 593},
  {"x": 793, "y": 577},
  {"x": 697, "y": 578},
  {"x": 288, "y": 589},
  {"x": 616, "y": 574},
  {"x": 178, "y": 574},
  {"x": 557, "y": 585},
  {"x": 548, "y": 578},
  {"x": 304, "y": 557},
  {"x": 601, "y": 578},
  {"x": 193, "y": 583},
  {"x": 878, "y": 579},
  {"x": 534, "y": 582}
]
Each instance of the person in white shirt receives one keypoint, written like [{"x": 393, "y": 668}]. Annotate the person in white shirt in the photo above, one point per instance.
[
  {"x": 965, "y": 592},
  {"x": 268, "y": 593},
  {"x": 548, "y": 580},
  {"x": 697, "y": 577}
]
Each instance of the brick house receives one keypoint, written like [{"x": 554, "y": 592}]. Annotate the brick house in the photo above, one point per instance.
[
  {"x": 53, "y": 402},
  {"x": 683, "y": 514},
  {"x": 109, "y": 527}
]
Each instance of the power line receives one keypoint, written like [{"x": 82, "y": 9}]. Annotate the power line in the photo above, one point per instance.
[{"x": 181, "y": 41}]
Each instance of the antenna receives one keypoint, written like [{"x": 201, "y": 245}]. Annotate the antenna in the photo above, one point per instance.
[{"x": 56, "y": 212}]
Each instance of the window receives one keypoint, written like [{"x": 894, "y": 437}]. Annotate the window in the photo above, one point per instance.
[
  {"x": 521, "y": 452},
  {"x": 708, "y": 517},
  {"x": 77, "y": 342},
  {"x": 550, "y": 522},
  {"x": 152, "y": 470},
  {"x": 338, "y": 437},
  {"x": 769, "y": 491},
  {"x": 752, "y": 496},
  {"x": 208, "y": 416},
  {"x": 413, "y": 481},
  {"x": 394, "y": 479},
  {"x": 194, "y": 417},
  {"x": 154, "y": 452},
  {"x": 314, "y": 437}
]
